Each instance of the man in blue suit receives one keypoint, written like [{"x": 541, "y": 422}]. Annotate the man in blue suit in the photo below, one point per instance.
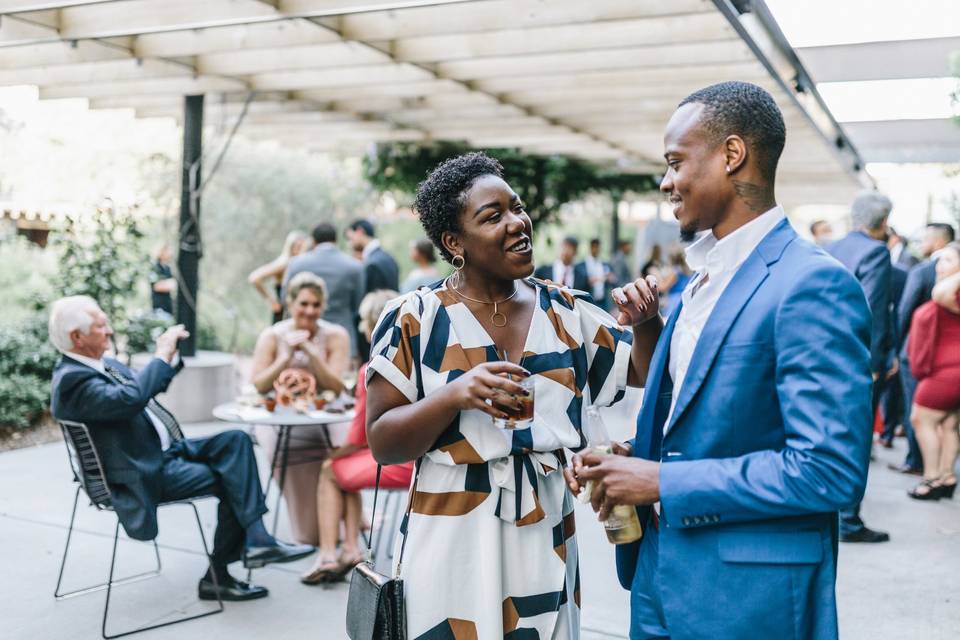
[
  {"x": 145, "y": 457},
  {"x": 864, "y": 253},
  {"x": 754, "y": 429}
]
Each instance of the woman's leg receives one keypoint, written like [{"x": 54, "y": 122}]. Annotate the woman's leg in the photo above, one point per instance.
[
  {"x": 949, "y": 446},
  {"x": 925, "y": 424},
  {"x": 330, "y": 511}
]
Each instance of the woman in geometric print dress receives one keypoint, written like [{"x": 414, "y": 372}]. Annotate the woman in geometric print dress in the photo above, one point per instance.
[{"x": 490, "y": 546}]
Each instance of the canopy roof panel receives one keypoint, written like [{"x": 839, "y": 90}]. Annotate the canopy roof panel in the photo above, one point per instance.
[{"x": 596, "y": 80}]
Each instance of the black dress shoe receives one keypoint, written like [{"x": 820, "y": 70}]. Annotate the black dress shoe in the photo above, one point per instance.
[
  {"x": 905, "y": 468},
  {"x": 230, "y": 589},
  {"x": 256, "y": 557},
  {"x": 865, "y": 535}
]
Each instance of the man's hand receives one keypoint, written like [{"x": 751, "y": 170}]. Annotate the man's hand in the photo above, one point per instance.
[
  {"x": 619, "y": 480},
  {"x": 576, "y": 464},
  {"x": 894, "y": 368},
  {"x": 637, "y": 301},
  {"x": 167, "y": 342}
]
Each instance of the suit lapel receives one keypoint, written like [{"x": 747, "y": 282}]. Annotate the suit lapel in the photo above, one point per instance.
[
  {"x": 647, "y": 441},
  {"x": 745, "y": 282}
]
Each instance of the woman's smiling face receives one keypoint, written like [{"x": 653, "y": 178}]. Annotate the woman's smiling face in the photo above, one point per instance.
[{"x": 496, "y": 233}]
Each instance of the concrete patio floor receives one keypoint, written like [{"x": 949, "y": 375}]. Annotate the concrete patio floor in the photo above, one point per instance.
[{"x": 908, "y": 588}]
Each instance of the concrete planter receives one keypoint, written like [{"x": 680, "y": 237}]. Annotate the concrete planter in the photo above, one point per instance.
[{"x": 207, "y": 379}]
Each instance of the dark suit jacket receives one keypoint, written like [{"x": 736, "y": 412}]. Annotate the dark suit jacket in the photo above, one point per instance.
[
  {"x": 125, "y": 438},
  {"x": 869, "y": 261},
  {"x": 906, "y": 260},
  {"x": 581, "y": 281},
  {"x": 917, "y": 291},
  {"x": 381, "y": 271}
]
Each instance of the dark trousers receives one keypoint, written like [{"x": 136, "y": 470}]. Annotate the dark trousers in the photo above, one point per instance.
[
  {"x": 891, "y": 406},
  {"x": 913, "y": 460},
  {"x": 850, "y": 520},
  {"x": 222, "y": 465}
]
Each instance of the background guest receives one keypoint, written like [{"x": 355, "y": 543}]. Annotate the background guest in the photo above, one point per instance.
[
  {"x": 564, "y": 271},
  {"x": 380, "y": 270},
  {"x": 303, "y": 341},
  {"x": 351, "y": 467},
  {"x": 900, "y": 254},
  {"x": 621, "y": 263},
  {"x": 934, "y": 349},
  {"x": 917, "y": 291},
  {"x": 425, "y": 272},
  {"x": 268, "y": 278},
  {"x": 673, "y": 279},
  {"x": 162, "y": 282},
  {"x": 822, "y": 232},
  {"x": 599, "y": 275},
  {"x": 864, "y": 253},
  {"x": 342, "y": 275}
]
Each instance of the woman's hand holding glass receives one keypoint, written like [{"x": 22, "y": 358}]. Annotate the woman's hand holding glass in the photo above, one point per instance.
[
  {"x": 487, "y": 385},
  {"x": 637, "y": 301}
]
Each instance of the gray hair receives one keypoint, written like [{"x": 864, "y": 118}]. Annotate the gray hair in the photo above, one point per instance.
[
  {"x": 372, "y": 306},
  {"x": 870, "y": 209},
  {"x": 68, "y": 315}
]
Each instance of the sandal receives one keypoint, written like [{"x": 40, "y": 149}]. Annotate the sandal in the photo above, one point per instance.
[
  {"x": 927, "y": 490},
  {"x": 323, "y": 572},
  {"x": 347, "y": 563},
  {"x": 948, "y": 489}
]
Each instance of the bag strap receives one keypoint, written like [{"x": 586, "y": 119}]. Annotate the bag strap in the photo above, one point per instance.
[{"x": 406, "y": 515}]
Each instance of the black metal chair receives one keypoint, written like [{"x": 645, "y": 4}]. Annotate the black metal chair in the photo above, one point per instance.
[{"x": 89, "y": 475}]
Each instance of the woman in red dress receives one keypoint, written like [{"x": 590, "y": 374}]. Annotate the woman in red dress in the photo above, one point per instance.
[
  {"x": 349, "y": 469},
  {"x": 934, "y": 352}
]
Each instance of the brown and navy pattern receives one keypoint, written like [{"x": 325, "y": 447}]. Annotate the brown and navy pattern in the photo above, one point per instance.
[{"x": 491, "y": 549}]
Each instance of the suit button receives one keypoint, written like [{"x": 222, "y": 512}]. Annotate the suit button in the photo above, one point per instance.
[{"x": 686, "y": 521}]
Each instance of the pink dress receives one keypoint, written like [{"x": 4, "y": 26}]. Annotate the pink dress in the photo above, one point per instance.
[{"x": 358, "y": 470}]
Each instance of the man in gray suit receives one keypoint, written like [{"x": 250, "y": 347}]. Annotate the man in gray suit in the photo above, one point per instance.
[{"x": 342, "y": 274}]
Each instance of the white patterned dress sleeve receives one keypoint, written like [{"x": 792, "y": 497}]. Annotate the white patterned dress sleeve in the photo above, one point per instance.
[
  {"x": 395, "y": 353},
  {"x": 607, "y": 347}
]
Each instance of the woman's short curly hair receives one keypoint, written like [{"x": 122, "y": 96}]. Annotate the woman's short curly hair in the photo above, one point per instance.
[{"x": 441, "y": 197}]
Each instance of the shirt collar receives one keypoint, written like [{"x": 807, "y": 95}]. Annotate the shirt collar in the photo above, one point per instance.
[
  {"x": 372, "y": 246},
  {"x": 90, "y": 362},
  {"x": 719, "y": 256}
]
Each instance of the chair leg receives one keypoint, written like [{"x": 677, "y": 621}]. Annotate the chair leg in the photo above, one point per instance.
[
  {"x": 97, "y": 587},
  {"x": 110, "y": 583}
]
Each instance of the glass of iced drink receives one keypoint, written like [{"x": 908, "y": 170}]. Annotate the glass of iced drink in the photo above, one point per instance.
[{"x": 520, "y": 418}]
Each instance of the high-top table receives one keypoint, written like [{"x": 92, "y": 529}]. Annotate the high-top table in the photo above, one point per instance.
[{"x": 285, "y": 420}]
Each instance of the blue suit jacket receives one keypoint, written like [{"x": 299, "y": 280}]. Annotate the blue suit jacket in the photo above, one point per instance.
[
  {"x": 917, "y": 291},
  {"x": 769, "y": 438},
  {"x": 869, "y": 261},
  {"x": 126, "y": 439}
]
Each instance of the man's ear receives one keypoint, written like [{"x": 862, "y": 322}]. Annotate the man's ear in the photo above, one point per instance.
[
  {"x": 75, "y": 336},
  {"x": 735, "y": 152},
  {"x": 451, "y": 242}
]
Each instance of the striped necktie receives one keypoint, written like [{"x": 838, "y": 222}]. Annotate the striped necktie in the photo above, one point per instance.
[{"x": 157, "y": 409}]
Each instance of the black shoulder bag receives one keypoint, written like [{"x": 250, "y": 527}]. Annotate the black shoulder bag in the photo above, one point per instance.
[{"x": 375, "y": 609}]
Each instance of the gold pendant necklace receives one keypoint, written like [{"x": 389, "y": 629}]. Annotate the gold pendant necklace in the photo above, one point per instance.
[{"x": 498, "y": 319}]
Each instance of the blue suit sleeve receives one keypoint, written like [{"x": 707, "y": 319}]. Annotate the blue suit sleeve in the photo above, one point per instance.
[
  {"x": 875, "y": 277},
  {"x": 91, "y": 398},
  {"x": 823, "y": 386}
]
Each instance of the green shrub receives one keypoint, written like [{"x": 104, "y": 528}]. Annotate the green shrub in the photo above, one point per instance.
[
  {"x": 144, "y": 329},
  {"x": 26, "y": 365}
]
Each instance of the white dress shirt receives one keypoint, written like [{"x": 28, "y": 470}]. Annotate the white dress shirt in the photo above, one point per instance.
[
  {"x": 99, "y": 366},
  {"x": 716, "y": 262},
  {"x": 596, "y": 269},
  {"x": 563, "y": 274}
]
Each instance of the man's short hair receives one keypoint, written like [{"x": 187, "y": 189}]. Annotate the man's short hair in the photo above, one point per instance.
[
  {"x": 945, "y": 230},
  {"x": 572, "y": 241},
  {"x": 594, "y": 240},
  {"x": 324, "y": 232},
  {"x": 815, "y": 224},
  {"x": 746, "y": 110},
  {"x": 365, "y": 225},
  {"x": 870, "y": 210},
  {"x": 68, "y": 315}
]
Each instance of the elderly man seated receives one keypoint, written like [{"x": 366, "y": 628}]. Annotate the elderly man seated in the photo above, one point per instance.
[{"x": 143, "y": 467}]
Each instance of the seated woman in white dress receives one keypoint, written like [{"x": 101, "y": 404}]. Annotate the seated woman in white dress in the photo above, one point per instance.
[
  {"x": 303, "y": 341},
  {"x": 490, "y": 545}
]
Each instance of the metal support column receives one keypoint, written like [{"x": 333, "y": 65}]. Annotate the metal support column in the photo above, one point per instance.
[
  {"x": 190, "y": 248},
  {"x": 615, "y": 225}
]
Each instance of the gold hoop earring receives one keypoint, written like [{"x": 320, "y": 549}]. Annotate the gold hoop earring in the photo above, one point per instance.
[{"x": 458, "y": 269}]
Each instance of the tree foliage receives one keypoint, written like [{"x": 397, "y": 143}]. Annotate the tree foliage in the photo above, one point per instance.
[
  {"x": 102, "y": 257},
  {"x": 544, "y": 182}
]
